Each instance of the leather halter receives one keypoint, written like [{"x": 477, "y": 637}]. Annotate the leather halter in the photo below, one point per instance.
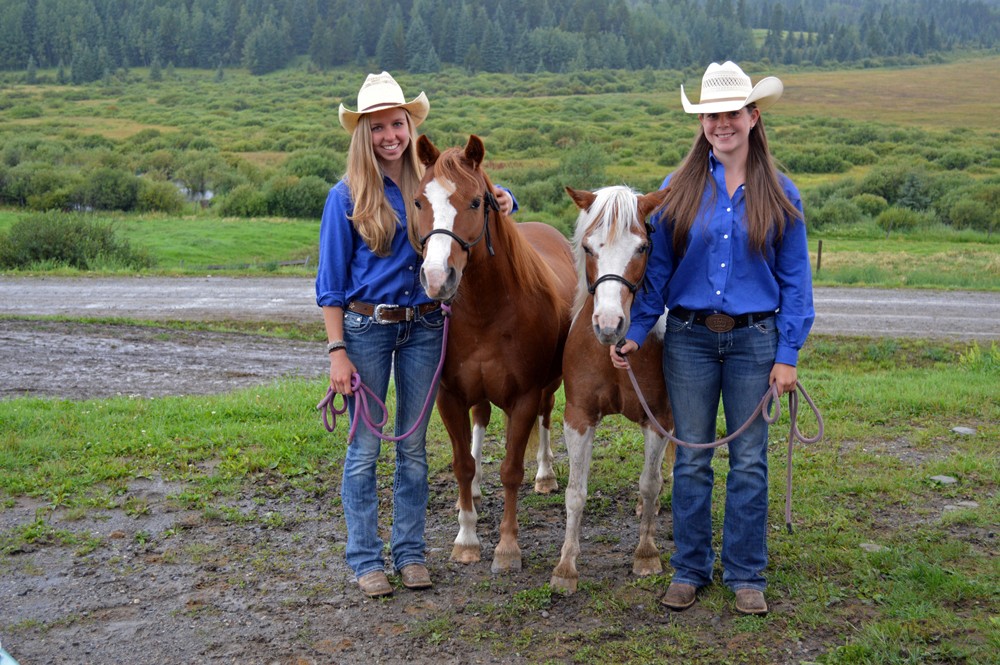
[
  {"x": 612, "y": 277},
  {"x": 491, "y": 204}
]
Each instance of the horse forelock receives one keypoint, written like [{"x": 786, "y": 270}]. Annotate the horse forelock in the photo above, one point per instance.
[{"x": 611, "y": 217}]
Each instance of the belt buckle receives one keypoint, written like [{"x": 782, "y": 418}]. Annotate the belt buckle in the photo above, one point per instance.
[
  {"x": 377, "y": 314},
  {"x": 719, "y": 323}
]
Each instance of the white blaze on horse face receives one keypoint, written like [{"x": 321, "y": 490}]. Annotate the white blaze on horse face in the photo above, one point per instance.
[
  {"x": 438, "y": 249},
  {"x": 613, "y": 258}
]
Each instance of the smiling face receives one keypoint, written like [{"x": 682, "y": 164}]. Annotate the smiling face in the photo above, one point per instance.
[
  {"x": 729, "y": 133},
  {"x": 390, "y": 135}
]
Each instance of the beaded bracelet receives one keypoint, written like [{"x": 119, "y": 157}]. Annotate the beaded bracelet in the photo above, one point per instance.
[{"x": 333, "y": 346}]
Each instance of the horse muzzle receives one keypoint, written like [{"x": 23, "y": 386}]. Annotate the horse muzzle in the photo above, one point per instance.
[{"x": 440, "y": 284}]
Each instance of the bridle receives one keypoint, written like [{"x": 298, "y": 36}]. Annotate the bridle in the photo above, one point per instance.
[
  {"x": 491, "y": 204},
  {"x": 614, "y": 277}
]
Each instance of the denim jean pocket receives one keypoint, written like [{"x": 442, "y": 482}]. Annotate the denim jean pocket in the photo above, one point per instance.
[
  {"x": 766, "y": 326},
  {"x": 357, "y": 324},
  {"x": 433, "y": 320},
  {"x": 675, "y": 324}
]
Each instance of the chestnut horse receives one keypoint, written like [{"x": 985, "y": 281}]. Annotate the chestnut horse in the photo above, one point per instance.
[
  {"x": 511, "y": 288},
  {"x": 612, "y": 242}
]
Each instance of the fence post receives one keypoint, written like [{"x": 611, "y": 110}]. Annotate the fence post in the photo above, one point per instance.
[{"x": 819, "y": 257}]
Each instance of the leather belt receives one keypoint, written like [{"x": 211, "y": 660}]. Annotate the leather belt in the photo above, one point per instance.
[
  {"x": 392, "y": 313},
  {"x": 718, "y": 322}
]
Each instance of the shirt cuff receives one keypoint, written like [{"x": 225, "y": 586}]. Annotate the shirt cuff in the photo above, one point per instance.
[{"x": 786, "y": 355}]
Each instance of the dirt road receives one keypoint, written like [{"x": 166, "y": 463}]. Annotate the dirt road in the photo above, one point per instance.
[{"x": 113, "y": 360}]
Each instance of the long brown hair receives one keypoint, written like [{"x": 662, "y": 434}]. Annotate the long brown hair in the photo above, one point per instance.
[
  {"x": 373, "y": 216},
  {"x": 768, "y": 208}
]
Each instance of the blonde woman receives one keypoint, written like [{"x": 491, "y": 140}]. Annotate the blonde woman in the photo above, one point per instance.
[{"x": 379, "y": 322}]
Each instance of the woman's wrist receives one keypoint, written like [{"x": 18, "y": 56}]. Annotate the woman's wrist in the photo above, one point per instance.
[{"x": 336, "y": 345}]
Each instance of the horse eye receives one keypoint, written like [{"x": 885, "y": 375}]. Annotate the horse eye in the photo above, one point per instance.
[
  {"x": 417, "y": 203},
  {"x": 588, "y": 251},
  {"x": 642, "y": 249},
  {"x": 476, "y": 202}
]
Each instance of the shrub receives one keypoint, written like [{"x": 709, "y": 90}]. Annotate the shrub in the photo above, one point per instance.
[
  {"x": 870, "y": 204},
  {"x": 812, "y": 161},
  {"x": 159, "y": 195},
  {"x": 972, "y": 214},
  {"x": 323, "y": 164},
  {"x": 897, "y": 219},
  {"x": 109, "y": 189},
  {"x": 289, "y": 196},
  {"x": 67, "y": 239},
  {"x": 837, "y": 211},
  {"x": 243, "y": 201}
]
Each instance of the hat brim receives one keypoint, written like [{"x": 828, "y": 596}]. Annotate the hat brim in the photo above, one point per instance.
[
  {"x": 767, "y": 91},
  {"x": 418, "y": 110}
]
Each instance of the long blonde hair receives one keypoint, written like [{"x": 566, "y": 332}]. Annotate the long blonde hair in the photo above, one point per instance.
[
  {"x": 768, "y": 208},
  {"x": 373, "y": 216}
]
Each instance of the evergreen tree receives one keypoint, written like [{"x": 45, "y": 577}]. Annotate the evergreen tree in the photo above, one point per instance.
[
  {"x": 156, "y": 70},
  {"x": 31, "y": 74},
  {"x": 493, "y": 52},
  {"x": 390, "y": 52},
  {"x": 420, "y": 54},
  {"x": 265, "y": 49}
]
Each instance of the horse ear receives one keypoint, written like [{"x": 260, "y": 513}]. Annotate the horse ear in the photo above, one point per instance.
[
  {"x": 650, "y": 202},
  {"x": 426, "y": 151},
  {"x": 475, "y": 151},
  {"x": 581, "y": 197}
]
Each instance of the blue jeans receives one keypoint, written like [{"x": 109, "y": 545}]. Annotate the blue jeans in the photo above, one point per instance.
[
  {"x": 699, "y": 366},
  {"x": 410, "y": 351}
]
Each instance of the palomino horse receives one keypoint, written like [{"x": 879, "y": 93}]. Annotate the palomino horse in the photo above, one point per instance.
[
  {"x": 612, "y": 243},
  {"x": 511, "y": 288}
]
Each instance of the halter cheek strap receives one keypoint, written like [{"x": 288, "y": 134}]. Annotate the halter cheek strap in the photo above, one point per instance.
[
  {"x": 612, "y": 277},
  {"x": 491, "y": 204}
]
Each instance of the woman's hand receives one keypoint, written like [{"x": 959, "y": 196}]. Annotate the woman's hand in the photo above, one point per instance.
[
  {"x": 504, "y": 198},
  {"x": 785, "y": 377},
  {"x": 618, "y": 358},
  {"x": 342, "y": 370}
]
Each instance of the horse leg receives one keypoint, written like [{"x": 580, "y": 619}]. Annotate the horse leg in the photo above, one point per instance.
[
  {"x": 455, "y": 417},
  {"x": 520, "y": 422},
  {"x": 580, "y": 446},
  {"x": 545, "y": 478},
  {"x": 480, "y": 421},
  {"x": 646, "y": 560}
]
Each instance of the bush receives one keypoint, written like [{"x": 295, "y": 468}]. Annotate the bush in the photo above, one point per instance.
[
  {"x": 243, "y": 201},
  {"x": 289, "y": 196},
  {"x": 870, "y": 204},
  {"x": 898, "y": 219},
  {"x": 812, "y": 161},
  {"x": 320, "y": 163},
  {"x": 109, "y": 189},
  {"x": 69, "y": 240},
  {"x": 972, "y": 214},
  {"x": 837, "y": 211},
  {"x": 159, "y": 195}
]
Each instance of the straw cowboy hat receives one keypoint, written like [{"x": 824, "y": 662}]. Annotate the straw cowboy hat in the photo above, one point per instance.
[
  {"x": 726, "y": 88},
  {"x": 380, "y": 92}
]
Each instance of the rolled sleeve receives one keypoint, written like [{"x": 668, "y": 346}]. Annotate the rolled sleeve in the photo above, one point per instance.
[
  {"x": 793, "y": 271},
  {"x": 336, "y": 247}
]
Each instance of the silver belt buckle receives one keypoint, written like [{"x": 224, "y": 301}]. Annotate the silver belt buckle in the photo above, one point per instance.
[{"x": 377, "y": 314}]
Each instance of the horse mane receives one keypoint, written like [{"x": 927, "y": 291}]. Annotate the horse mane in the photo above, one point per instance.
[
  {"x": 611, "y": 215},
  {"x": 529, "y": 272}
]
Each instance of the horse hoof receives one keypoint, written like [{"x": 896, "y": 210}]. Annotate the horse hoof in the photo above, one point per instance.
[
  {"x": 465, "y": 554},
  {"x": 567, "y": 585},
  {"x": 506, "y": 564},
  {"x": 647, "y": 566},
  {"x": 546, "y": 485}
]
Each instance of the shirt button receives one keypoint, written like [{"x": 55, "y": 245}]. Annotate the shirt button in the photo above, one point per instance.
[
  {"x": 411, "y": 268},
  {"x": 729, "y": 209},
  {"x": 406, "y": 293},
  {"x": 723, "y": 265},
  {"x": 725, "y": 237},
  {"x": 718, "y": 293}
]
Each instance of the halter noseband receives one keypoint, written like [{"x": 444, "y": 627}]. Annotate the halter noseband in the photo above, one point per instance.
[
  {"x": 491, "y": 204},
  {"x": 612, "y": 277}
]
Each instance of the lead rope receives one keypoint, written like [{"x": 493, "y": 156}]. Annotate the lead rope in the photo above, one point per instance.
[
  {"x": 794, "y": 434},
  {"x": 362, "y": 392}
]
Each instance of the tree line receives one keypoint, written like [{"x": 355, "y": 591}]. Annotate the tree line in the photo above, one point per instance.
[{"x": 88, "y": 39}]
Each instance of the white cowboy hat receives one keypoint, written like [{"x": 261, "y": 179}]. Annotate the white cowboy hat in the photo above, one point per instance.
[
  {"x": 380, "y": 92},
  {"x": 726, "y": 88}
]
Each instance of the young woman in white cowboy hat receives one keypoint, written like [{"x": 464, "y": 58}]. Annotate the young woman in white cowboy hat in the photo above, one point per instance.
[
  {"x": 379, "y": 322},
  {"x": 732, "y": 267}
]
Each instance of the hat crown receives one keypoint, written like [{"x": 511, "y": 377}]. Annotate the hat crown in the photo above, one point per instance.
[
  {"x": 379, "y": 90},
  {"x": 726, "y": 81}
]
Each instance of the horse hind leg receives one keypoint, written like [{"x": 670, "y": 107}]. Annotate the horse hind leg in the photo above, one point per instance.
[
  {"x": 545, "y": 477},
  {"x": 480, "y": 421},
  {"x": 580, "y": 446},
  {"x": 646, "y": 560}
]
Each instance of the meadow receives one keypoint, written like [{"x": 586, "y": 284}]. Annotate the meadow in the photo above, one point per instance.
[{"x": 893, "y": 558}]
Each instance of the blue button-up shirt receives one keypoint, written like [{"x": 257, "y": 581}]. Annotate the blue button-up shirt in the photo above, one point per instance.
[
  {"x": 720, "y": 272},
  {"x": 348, "y": 270}
]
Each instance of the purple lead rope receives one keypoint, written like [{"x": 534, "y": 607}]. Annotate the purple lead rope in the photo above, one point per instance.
[{"x": 362, "y": 392}]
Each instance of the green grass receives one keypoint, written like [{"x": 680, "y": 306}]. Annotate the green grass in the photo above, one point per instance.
[{"x": 923, "y": 589}]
